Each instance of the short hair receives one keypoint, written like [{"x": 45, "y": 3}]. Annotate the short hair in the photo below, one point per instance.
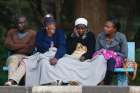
[
  {"x": 115, "y": 22},
  {"x": 18, "y": 17}
]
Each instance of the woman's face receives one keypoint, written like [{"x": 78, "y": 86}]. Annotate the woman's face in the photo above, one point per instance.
[
  {"x": 50, "y": 28},
  {"x": 109, "y": 28},
  {"x": 81, "y": 30}
]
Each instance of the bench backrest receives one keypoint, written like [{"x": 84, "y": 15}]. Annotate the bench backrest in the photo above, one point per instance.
[
  {"x": 131, "y": 58},
  {"x": 131, "y": 51}
]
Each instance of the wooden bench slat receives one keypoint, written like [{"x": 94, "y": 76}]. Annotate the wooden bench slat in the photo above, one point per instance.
[
  {"x": 5, "y": 68},
  {"x": 130, "y": 69},
  {"x": 122, "y": 78}
]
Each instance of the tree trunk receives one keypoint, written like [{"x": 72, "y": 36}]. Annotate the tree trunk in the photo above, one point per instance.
[
  {"x": 94, "y": 11},
  {"x": 58, "y": 10},
  {"x": 38, "y": 13},
  {"x": 130, "y": 15}
]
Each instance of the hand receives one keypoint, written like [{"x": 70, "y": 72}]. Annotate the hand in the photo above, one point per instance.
[
  {"x": 82, "y": 58},
  {"x": 75, "y": 33},
  {"x": 53, "y": 61},
  {"x": 125, "y": 60}
]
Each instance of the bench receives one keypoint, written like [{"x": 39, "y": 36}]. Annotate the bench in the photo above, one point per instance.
[
  {"x": 122, "y": 78},
  {"x": 5, "y": 68}
]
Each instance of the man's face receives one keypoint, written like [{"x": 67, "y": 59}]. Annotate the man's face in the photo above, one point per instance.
[
  {"x": 50, "y": 28},
  {"x": 21, "y": 23}
]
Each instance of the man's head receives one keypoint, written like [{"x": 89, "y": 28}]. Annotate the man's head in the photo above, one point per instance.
[
  {"x": 81, "y": 25},
  {"x": 21, "y": 23},
  {"x": 49, "y": 24}
]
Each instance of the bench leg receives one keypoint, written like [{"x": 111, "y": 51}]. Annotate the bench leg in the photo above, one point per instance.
[
  {"x": 5, "y": 68},
  {"x": 122, "y": 80}
]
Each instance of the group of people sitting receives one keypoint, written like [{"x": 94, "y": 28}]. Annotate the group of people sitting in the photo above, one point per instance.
[{"x": 48, "y": 55}]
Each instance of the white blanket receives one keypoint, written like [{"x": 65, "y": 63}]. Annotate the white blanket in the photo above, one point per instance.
[{"x": 88, "y": 73}]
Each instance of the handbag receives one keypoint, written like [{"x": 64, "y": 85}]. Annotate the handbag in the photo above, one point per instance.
[
  {"x": 79, "y": 51},
  {"x": 127, "y": 64}
]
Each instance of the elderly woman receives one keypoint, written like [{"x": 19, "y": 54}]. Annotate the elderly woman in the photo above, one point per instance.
[{"x": 114, "y": 41}]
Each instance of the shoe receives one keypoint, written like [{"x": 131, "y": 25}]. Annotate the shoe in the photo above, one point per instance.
[
  {"x": 54, "y": 83},
  {"x": 74, "y": 83},
  {"x": 64, "y": 83},
  {"x": 10, "y": 82}
]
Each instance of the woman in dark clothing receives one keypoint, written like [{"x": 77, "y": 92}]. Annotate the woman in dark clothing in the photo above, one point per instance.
[
  {"x": 111, "y": 39},
  {"x": 83, "y": 36}
]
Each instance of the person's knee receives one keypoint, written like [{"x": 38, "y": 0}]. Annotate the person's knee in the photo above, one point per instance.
[
  {"x": 13, "y": 58},
  {"x": 43, "y": 63},
  {"x": 110, "y": 64}
]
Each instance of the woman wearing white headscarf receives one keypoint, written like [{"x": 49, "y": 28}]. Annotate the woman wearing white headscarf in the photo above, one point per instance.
[{"x": 82, "y": 35}]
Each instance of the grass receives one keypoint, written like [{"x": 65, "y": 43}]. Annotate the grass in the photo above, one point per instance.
[{"x": 3, "y": 77}]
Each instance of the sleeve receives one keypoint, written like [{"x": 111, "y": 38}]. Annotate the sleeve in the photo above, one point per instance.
[
  {"x": 10, "y": 44},
  {"x": 40, "y": 44},
  {"x": 71, "y": 44},
  {"x": 98, "y": 46},
  {"x": 90, "y": 46},
  {"x": 124, "y": 46},
  {"x": 68, "y": 45},
  {"x": 61, "y": 44}
]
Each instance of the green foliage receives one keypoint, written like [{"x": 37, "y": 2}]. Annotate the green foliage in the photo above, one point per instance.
[
  {"x": 2, "y": 47},
  {"x": 138, "y": 55},
  {"x": 137, "y": 80},
  {"x": 3, "y": 77},
  {"x": 3, "y": 55}
]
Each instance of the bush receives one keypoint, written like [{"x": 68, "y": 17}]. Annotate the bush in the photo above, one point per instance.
[{"x": 137, "y": 80}]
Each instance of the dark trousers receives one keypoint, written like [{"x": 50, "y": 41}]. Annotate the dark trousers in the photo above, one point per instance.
[{"x": 110, "y": 72}]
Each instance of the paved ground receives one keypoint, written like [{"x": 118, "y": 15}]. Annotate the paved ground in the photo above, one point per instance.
[{"x": 70, "y": 89}]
